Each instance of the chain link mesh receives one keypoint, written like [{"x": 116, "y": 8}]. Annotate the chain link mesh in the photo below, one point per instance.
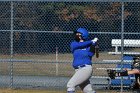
[{"x": 43, "y": 30}]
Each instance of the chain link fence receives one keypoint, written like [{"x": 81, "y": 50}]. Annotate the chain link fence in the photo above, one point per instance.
[{"x": 35, "y": 38}]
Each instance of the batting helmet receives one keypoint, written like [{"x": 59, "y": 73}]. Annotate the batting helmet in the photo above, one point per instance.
[{"x": 84, "y": 33}]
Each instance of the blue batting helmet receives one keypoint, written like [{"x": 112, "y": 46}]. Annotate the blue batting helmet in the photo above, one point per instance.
[{"x": 84, "y": 33}]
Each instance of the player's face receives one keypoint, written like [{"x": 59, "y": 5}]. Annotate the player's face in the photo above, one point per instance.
[
  {"x": 79, "y": 34},
  {"x": 78, "y": 37}
]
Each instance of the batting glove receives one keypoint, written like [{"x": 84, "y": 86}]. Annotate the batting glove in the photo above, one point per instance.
[{"x": 94, "y": 40}]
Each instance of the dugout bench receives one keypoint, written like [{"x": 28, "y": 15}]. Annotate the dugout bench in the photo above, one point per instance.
[{"x": 127, "y": 43}]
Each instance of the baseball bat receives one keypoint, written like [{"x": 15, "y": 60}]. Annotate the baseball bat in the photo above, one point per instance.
[{"x": 97, "y": 50}]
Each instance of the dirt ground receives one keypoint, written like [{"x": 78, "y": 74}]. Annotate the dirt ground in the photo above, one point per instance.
[
  {"x": 25, "y": 68},
  {"x": 4, "y": 90},
  {"x": 45, "y": 64}
]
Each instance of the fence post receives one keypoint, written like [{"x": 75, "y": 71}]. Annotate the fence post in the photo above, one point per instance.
[
  {"x": 122, "y": 43},
  {"x": 56, "y": 58},
  {"x": 11, "y": 47}
]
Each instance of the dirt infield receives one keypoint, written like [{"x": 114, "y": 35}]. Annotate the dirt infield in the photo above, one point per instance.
[{"x": 48, "y": 67}]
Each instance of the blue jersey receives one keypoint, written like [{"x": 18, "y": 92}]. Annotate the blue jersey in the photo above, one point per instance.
[{"x": 81, "y": 53}]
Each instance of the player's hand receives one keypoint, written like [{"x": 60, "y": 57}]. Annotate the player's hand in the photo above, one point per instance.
[
  {"x": 94, "y": 40},
  {"x": 111, "y": 73}
]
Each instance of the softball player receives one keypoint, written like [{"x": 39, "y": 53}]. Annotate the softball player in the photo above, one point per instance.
[
  {"x": 135, "y": 70},
  {"x": 83, "y": 50}
]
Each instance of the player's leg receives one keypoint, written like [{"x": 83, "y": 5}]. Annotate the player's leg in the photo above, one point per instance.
[
  {"x": 79, "y": 77},
  {"x": 87, "y": 87},
  {"x": 137, "y": 82},
  {"x": 71, "y": 86}
]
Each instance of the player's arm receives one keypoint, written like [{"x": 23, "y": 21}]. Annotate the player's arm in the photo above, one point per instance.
[
  {"x": 80, "y": 45},
  {"x": 113, "y": 73},
  {"x": 94, "y": 49},
  {"x": 91, "y": 50}
]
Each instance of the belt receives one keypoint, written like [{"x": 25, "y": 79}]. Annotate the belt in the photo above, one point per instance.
[{"x": 81, "y": 66}]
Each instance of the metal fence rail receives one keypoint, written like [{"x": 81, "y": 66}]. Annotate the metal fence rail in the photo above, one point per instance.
[{"x": 36, "y": 34}]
